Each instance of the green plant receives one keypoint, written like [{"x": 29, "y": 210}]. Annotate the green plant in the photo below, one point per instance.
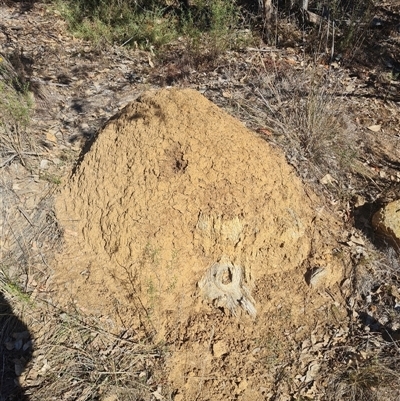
[
  {"x": 12, "y": 287},
  {"x": 15, "y": 107},
  {"x": 211, "y": 28},
  {"x": 125, "y": 22},
  {"x": 207, "y": 26},
  {"x": 52, "y": 178},
  {"x": 15, "y": 111},
  {"x": 353, "y": 20}
]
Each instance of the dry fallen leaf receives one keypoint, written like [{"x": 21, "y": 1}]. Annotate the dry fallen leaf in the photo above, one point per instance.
[
  {"x": 357, "y": 240},
  {"x": 328, "y": 179},
  {"x": 312, "y": 371},
  {"x": 157, "y": 395},
  {"x": 264, "y": 131},
  {"x": 375, "y": 128},
  {"x": 51, "y": 137}
]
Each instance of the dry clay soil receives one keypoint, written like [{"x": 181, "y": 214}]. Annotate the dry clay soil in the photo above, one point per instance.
[{"x": 181, "y": 223}]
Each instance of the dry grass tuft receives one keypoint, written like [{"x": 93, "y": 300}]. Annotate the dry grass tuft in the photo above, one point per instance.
[
  {"x": 303, "y": 112},
  {"x": 365, "y": 368},
  {"x": 76, "y": 357},
  {"x": 15, "y": 110},
  {"x": 28, "y": 237},
  {"x": 373, "y": 380},
  {"x": 308, "y": 119}
]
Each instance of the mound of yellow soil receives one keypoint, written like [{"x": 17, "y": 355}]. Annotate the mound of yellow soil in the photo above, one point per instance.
[
  {"x": 178, "y": 213},
  {"x": 387, "y": 222}
]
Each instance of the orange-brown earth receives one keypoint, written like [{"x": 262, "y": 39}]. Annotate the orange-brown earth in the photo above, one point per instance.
[{"x": 171, "y": 189}]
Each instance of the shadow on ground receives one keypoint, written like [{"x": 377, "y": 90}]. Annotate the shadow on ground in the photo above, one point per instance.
[
  {"x": 15, "y": 353},
  {"x": 375, "y": 326}
]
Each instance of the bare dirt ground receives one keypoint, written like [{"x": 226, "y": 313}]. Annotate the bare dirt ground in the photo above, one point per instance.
[{"x": 310, "y": 288}]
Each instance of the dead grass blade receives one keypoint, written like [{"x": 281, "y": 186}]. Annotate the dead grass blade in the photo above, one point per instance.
[{"x": 372, "y": 380}]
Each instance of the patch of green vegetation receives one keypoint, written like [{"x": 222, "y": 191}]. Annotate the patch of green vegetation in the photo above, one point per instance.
[
  {"x": 213, "y": 25},
  {"x": 152, "y": 24},
  {"x": 151, "y": 254},
  {"x": 52, "y": 178},
  {"x": 16, "y": 291},
  {"x": 15, "y": 112},
  {"x": 355, "y": 17},
  {"x": 15, "y": 106},
  {"x": 13, "y": 288},
  {"x": 153, "y": 294}
]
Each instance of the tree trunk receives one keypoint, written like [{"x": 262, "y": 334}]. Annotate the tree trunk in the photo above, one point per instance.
[
  {"x": 304, "y": 4},
  {"x": 267, "y": 10}
]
